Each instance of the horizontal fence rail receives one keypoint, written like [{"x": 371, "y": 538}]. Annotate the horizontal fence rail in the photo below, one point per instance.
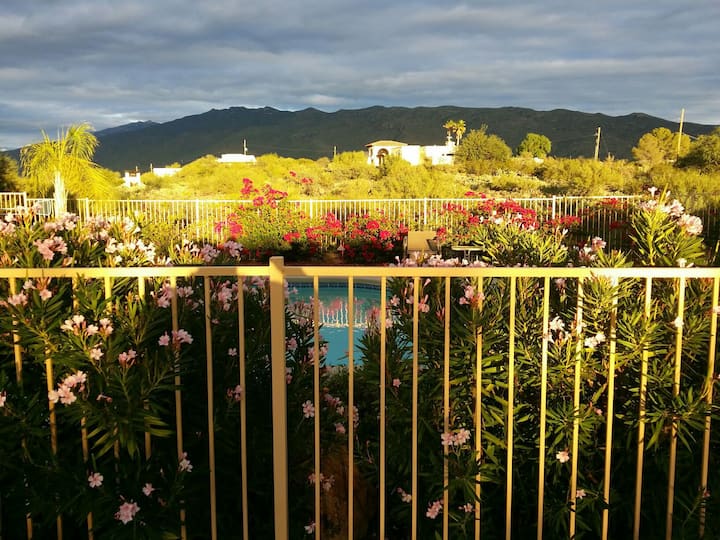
[{"x": 482, "y": 402}]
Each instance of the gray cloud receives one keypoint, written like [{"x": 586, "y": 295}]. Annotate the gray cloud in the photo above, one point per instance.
[{"x": 107, "y": 63}]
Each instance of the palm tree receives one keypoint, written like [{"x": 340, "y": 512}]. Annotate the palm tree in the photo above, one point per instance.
[
  {"x": 459, "y": 131},
  {"x": 451, "y": 126},
  {"x": 455, "y": 127},
  {"x": 64, "y": 164}
]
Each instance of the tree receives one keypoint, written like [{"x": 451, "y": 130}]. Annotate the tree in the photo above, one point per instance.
[
  {"x": 8, "y": 173},
  {"x": 478, "y": 146},
  {"x": 459, "y": 131},
  {"x": 659, "y": 146},
  {"x": 65, "y": 166},
  {"x": 455, "y": 127},
  {"x": 704, "y": 153},
  {"x": 535, "y": 145}
]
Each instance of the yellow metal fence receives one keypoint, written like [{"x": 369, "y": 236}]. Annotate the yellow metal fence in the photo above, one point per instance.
[{"x": 620, "y": 362}]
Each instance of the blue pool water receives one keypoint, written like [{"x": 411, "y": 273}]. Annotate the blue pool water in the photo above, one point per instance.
[{"x": 333, "y": 297}]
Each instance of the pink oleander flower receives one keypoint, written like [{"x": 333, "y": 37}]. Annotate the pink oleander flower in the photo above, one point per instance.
[
  {"x": 310, "y": 528},
  {"x": 182, "y": 336},
  {"x": 232, "y": 352},
  {"x": 164, "y": 340},
  {"x": 96, "y": 353},
  {"x": 404, "y": 496},
  {"x": 692, "y": 225},
  {"x": 580, "y": 494},
  {"x": 127, "y": 512},
  {"x": 434, "y": 509},
  {"x": 468, "y": 508},
  {"x": 236, "y": 394},
  {"x": 95, "y": 480},
  {"x": 340, "y": 428},
  {"x": 396, "y": 383},
  {"x": 598, "y": 243},
  {"x": 308, "y": 409},
  {"x": 447, "y": 439},
  {"x": 462, "y": 436},
  {"x": 3, "y": 398},
  {"x": 105, "y": 327},
  {"x": 148, "y": 489},
  {"x": 19, "y": 299},
  {"x": 563, "y": 456},
  {"x": 45, "y": 294},
  {"x": 185, "y": 465},
  {"x": 557, "y": 324},
  {"x": 127, "y": 359}
]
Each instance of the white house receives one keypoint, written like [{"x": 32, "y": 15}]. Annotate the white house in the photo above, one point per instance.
[
  {"x": 166, "y": 171},
  {"x": 412, "y": 153},
  {"x": 131, "y": 179},
  {"x": 236, "y": 158}
]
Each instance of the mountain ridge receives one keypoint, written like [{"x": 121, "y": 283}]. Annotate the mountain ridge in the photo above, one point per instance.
[{"x": 312, "y": 133}]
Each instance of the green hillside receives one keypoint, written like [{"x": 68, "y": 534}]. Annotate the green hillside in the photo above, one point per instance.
[{"x": 312, "y": 133}]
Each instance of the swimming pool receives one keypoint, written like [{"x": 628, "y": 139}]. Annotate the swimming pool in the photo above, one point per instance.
[{"x": 334, "y": 316}]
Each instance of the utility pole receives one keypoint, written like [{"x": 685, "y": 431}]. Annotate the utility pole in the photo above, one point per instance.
[
  {"x": 597, "y": 143},
  {"x": 682, "y": 119}
]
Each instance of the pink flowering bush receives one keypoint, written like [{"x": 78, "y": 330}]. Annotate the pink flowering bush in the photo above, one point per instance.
[
  {"x": 664, "y": 237},
  {"x": 107, "y": 359}
]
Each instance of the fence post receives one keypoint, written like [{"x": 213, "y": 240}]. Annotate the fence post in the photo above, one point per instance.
[
  {"x": 553, "y": 206},
  {"x": 279, "y": 397},
  {"x": 425, "y": 202}
]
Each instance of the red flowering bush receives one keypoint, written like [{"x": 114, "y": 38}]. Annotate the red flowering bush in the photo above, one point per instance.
[
  {"x": 366, "y": 238},
  {"x": 271, "y": 226},
  {"x": 465, "y": 222}
]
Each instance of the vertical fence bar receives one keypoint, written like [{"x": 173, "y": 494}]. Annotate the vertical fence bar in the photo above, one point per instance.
[
  {"x": 53, "y": 430},
  {"x": 478, "y": 407},
  {"x": 84, "y": 438},
  {"x": 610, "y": 409},
  {"x": 210, "y": 406},
  {"x": 708, "y": 392},
  {"x": 641, "y": 417},
  {"x": 446, "y": 409},
  {"x": 676, "y": 392},
  {"x": 383, "y": 351},
  {"x": 576, "y": 407},
  {"x": 543, "y": 406},
  {"x": 316, "y": 398},
  {"x": 17, "y": 352},
  {"x": 242, "y": 352},
  {"x": 178, "y": 395},
  {"x": 414, "y": 429},
  {"x": 351, "y": 407},
  {"x": 510, "y": 426},
  {"x": 279, "y": 397}
]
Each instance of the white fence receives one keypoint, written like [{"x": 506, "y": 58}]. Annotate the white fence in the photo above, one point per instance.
[{"x": 198, "y": 218}]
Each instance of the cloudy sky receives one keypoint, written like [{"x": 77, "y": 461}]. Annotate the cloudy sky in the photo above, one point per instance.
[{"x": 110, "y": 62}]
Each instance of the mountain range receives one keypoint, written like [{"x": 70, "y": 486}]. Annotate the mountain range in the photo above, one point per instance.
[{"x": 311, "y": 133}]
